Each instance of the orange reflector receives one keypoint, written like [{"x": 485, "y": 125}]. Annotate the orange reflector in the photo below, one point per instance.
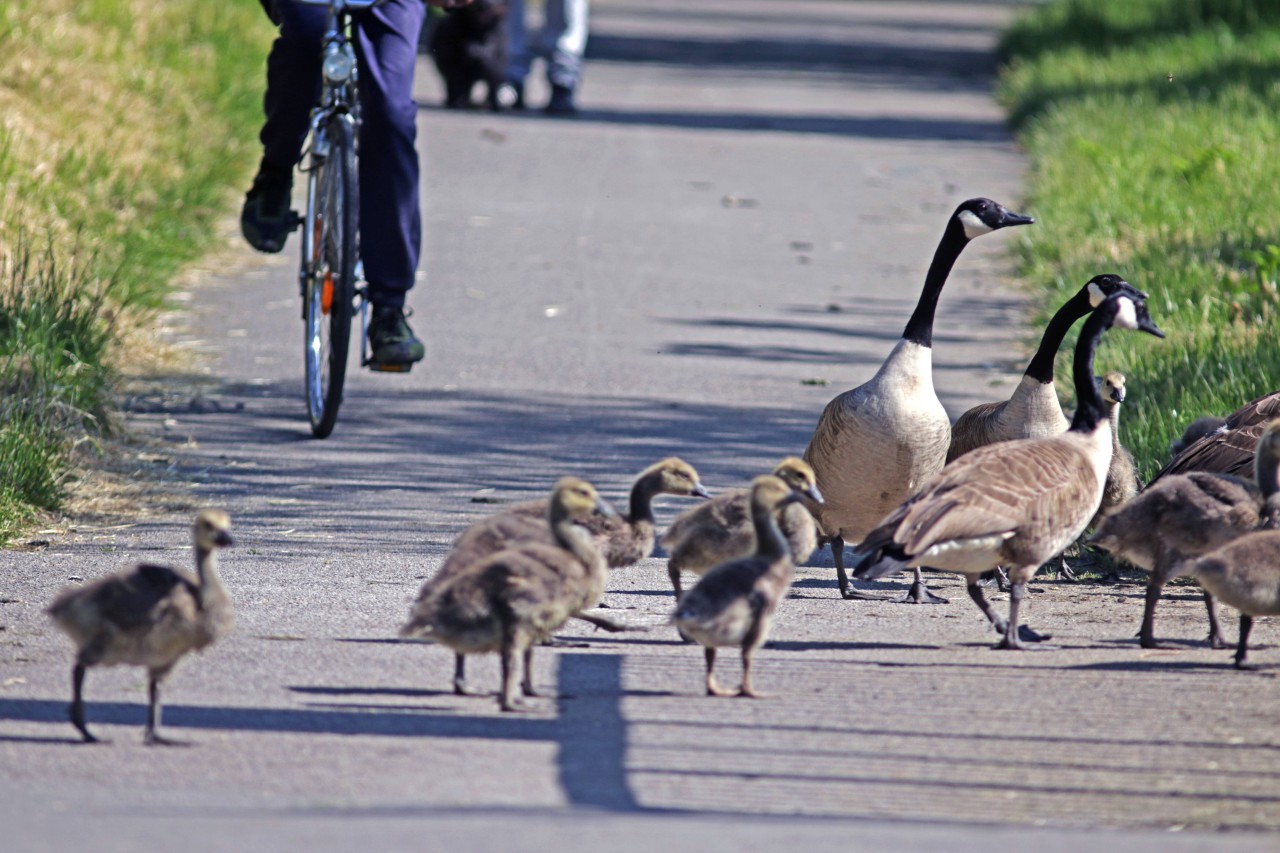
[{"x": 326, "y": 292}]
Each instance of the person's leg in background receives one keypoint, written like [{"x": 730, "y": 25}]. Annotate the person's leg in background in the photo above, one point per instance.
[{"x": 564, "y": 40}]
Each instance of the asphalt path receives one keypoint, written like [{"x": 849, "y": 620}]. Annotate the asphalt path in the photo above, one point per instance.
[{"x": 733, "y": 231}]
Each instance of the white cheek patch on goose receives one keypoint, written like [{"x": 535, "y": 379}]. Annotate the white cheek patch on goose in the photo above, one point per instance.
[
  {"x": 1127, "y": 316},
  {"x": 973, "y": 226},
  {"x": 1096, "y": 296}
]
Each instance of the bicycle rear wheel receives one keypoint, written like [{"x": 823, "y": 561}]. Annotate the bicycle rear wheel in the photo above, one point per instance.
[{"x": 329, "y": 289}]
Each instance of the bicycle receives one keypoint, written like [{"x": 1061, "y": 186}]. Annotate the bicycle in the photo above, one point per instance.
[{"x": 330, "y": 275}]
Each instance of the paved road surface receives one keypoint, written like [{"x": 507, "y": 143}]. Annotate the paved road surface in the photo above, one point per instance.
[{"x": 744, "y": 211}]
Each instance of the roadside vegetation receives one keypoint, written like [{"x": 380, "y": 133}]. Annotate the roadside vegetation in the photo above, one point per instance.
[
  {"x": 1151, "y": 127},
  {"x": 123, "y": 124}
]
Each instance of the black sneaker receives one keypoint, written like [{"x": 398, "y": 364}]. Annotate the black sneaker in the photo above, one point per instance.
[
  {"x": 561, "y": 103},
  {"x": 392, "y": 344},
  {"x": 265, "y": 219}
]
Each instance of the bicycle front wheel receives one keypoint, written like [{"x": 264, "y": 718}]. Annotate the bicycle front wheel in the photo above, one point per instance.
[{"x": 329, "y": 293}]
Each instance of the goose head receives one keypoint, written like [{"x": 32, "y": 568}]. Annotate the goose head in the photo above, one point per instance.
[
  {"x": 769, "y": 492},
  {"x": 979, "y": 216},
  {"x": 1124, "y": 312},
  {"x": 798, "y": 474},
  {"x": 1098, "y": 288},
  {"x": 576, "y": 499},
  {"x": 212, "y": 529},
  {"x": 674, "y": 476}
]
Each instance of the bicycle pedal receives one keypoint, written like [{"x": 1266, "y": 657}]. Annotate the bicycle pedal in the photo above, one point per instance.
[{"x": 390, "y": 368}]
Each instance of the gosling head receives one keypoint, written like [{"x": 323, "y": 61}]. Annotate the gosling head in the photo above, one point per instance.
[
  {"x": 674, "y": 476},
  {"x": 1113, "y": 387},
  {"x": 798, "y": 474},
  {"x": 979, "y": 216},
  {"x": 212, "y": 529},
  {"x": 1098, "y": 288},
  {"x": 772, "y": 492},
  {"x": 577, "y": 499}
]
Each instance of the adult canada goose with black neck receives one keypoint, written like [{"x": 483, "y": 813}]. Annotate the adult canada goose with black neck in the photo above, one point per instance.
[
  {"x": 1016, "y": 503},
  {"x": 1033, "y": 410},
  {"x": 876, "y": 445}
]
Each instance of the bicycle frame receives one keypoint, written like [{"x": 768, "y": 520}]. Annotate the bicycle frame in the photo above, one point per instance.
[{"x": 339, "y": 94}]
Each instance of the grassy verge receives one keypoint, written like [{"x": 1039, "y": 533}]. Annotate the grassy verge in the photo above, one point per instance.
[
  {"x": 124, "y": 127},
  {"x": 1151, "y": 127}
]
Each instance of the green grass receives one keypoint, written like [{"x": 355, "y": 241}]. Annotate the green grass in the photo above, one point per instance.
[
  {"x": 127, "y": 130},
  {"x": 1150, "y": 125}
]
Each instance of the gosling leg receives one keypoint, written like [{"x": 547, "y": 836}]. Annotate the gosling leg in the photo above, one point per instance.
[
  {"x": 76, "y": 710},
  {"x": 507, "y": 698},
  {"x": 460, "y": 687},
  {"x": 152, "y": 736},
  {"x": 1216, "y": 640},
  {"x": 1242, "y": 647},
  {"x": 1146, "y": 633},
  {"x": 526, "y": 686},
  {"x": 714, "y": 689}
]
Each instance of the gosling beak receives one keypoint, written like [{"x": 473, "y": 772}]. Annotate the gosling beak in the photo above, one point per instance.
[
  {"x": 223, "y": 539},
  {"x": 1117, "y": 394},
  {"x": 699, "y": 491},
  {"x": 602, "y": 508},
  {"x": 813, "y": 494}
]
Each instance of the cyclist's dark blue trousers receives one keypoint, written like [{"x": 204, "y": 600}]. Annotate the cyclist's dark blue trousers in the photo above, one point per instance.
[{"x": 386, "y": 44}]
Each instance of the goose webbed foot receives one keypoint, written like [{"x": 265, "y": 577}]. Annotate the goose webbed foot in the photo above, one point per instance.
[
  {"x": 460, "y": 688},
  {"x": 515, "y": 706},
  {"x": 1066, "y": 572},
  {"x": 1025, "y": 635},
  {"x": 850, "y": 593},
  {"x": 749, "y": 693},
  {"x": 154, "y": 738},
  {"x": 1217, "y": 641},
  {"x": 919, "y": 593},
  {"x": 997, "y": 578}
]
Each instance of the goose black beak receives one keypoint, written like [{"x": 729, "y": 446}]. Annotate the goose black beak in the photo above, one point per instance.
[
  {"x": 1145, "y": 323},
  {"x": 1009, "y": 218}
]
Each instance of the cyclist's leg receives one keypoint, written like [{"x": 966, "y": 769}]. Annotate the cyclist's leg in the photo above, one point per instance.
[
  {"x": 390, "y": 216},
  {"x": 293, "y": 77},
  {"x": 519, "y": 51},
  {"x": 564, "y": 40}
]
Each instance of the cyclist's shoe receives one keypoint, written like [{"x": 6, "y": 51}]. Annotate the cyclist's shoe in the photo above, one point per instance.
[
  {"x": 392, "y": 344},
  {"x": 561, "y": 103},
  {"x": 266, "y": 220}
]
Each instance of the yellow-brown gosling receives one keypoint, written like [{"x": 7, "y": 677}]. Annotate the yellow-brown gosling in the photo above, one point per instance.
[
  {"x": 1244, "y": 573},
  {"x": 733, "y": 604},
  {"x": 148, "y": 616},
  {"x": 1033, "y": 410},
  {"x": 1015, "y": 504},
  {"x": 1183, "y": 516},
  {"x": 720, "y": 529},
  {"x": 877, "y": 444},
  {"x": 511, "y": 600}
]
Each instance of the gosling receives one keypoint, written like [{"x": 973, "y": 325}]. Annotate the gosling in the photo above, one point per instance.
[
  {"x": 720, "y": 529},
  {"x": 1244, "y": 573},
  {"x": 733, "y": 604},
  {"x": 518, "y": 597},
  {"x": 148, "y": 616}
]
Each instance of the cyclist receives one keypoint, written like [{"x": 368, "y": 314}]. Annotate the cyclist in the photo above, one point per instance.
[{"x": 386, "y": 41}]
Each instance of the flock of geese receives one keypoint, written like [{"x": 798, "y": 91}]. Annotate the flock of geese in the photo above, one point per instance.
[{"x": 993, "y": 497}]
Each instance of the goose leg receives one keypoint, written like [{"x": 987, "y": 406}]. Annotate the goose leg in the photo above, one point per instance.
[
  {"x": 1242, "y": 646},
  {"x": 76, "y": 711},
  {"x": 526, "y": 686},
  {"x": 847, "y": 590},
  {"x": 1216, "y": 640},
  {"x": 1011, "y": 638},
  {"x": 1000, "y": 624},
  {"x": 714, "y": 689},
  {"x": 919, "y": 593},
  {"x": 460, "y": 687},
  {"x": 152, "y": 735}
]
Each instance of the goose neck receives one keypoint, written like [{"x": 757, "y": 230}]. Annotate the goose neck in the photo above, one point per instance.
[
  {"x": 1091, "y": 409},
  {"x": 1041, "y": 366},
  {"x": 920, "y": 327}
]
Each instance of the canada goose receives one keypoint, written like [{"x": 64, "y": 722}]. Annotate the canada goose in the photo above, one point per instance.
[
  {"x": 1228, "y": 449},
  {"x": 515, "y": 598},
  {"x": 1017, "y": 503},
  {"x": 1195, "y": 431},
  {"x": 1244, "y": 573},
  {"x": 147, "y": 616},
  {"x": 720, "y": 529},
  {"x": 1183, "y": 516},
  {"x": 1033, "y": 410},
  {"x": 733, "y": 604},
  {"x": 876, "y": 445}
]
